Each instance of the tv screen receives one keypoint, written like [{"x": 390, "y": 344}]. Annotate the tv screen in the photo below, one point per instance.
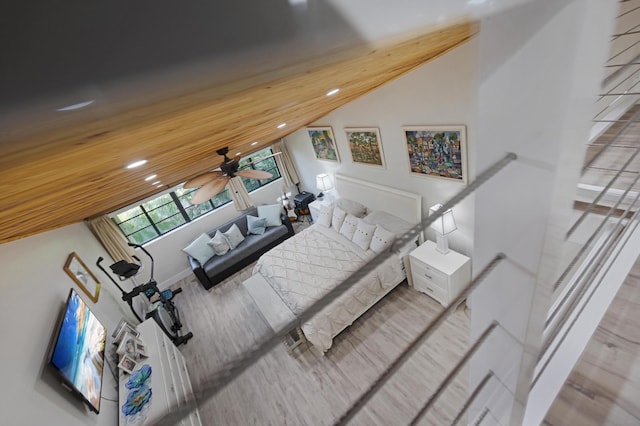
[{"x": 78, "y": 353}]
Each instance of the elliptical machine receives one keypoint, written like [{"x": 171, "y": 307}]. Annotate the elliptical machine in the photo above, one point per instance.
[{"x": 161, "y": 308}]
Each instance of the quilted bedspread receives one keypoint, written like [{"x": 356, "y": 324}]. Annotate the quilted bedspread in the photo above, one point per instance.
[{"x": 307, "y": 266}]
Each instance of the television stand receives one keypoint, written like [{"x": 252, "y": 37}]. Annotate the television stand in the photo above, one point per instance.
[{"x": 169, "y": 380}]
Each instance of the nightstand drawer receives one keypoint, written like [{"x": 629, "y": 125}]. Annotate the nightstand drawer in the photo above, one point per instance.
[
  {"x": 419, "y": 269},
  {"x": 424, "y": 285}
]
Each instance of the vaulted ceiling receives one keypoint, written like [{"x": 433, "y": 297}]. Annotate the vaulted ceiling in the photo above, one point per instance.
[{"x": 58, "y": 172}]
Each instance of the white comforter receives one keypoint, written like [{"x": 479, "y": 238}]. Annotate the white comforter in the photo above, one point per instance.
[{"x": 309, "y": 265}]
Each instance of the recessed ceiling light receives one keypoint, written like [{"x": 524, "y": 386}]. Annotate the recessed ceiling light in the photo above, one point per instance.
[
  {"x": 76, "y": 106},
  {"x": 281, "y": 125},
  {"x": 332, "y": 92},
  {"x": 136, "y": 164},
  {"x": 254, "y": 143},
  {"x": 156, "y": 182},
  {"x": 148, "y": 178}
]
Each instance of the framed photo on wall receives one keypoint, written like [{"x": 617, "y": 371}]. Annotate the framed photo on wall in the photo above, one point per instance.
[
  {"x": 82, "y": 276},
  {"x": 365, "y": 146},
  {"x": 324, "y": 144},
  {"x": 437, "y": 151}
]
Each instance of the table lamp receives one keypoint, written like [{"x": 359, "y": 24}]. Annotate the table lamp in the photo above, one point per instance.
[
  {"x": 443, "y": 226},
  {"x": 323, "y": 183}
]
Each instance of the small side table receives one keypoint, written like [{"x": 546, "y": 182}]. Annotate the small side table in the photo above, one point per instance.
[
  {"x": 314, "y": 208},
  {"x": 441, "y": 276}
]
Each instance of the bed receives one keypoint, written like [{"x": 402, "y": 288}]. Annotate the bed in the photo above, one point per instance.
[{"x": 293, "y": 275}]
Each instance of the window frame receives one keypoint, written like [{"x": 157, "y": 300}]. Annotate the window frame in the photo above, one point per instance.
[{"x": 246, "y": 163}]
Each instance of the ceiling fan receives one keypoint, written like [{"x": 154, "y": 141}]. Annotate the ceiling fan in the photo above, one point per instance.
[{"x": 211, "y": 183}]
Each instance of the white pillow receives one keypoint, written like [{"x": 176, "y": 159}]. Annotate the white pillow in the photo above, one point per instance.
[
  {"x": 200, "y": 250},
  {"x": 349, "y": 226},
  {"x": 234, "y": 236},
  {"x": 219, "y": 244},
  {"x": 256, "y": 225},
  {"x": 271, "y": 213},
  {"x": 352, "y": 207},
  {"x": 337, "y": 218},
  {"x": 324, "y": 215},
  {"x": 382, "y": 239},
  {"x": 363, "y": 235}
]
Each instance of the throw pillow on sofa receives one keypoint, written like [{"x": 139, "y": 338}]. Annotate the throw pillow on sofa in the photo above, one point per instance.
[
  {"x": 256, "y": 225},
  {"x": 234, "y": 236},
  {"x": 200, "y": 250},
  {"x": 272, "y": 213},
  {"x": 219, "y": 244}
]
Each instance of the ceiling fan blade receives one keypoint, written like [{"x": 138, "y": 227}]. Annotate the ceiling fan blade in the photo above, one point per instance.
[
  {"x": 254, "y": 174},
  {"x": 202, "y": 179},
  {"x": 209, "y": 190}
]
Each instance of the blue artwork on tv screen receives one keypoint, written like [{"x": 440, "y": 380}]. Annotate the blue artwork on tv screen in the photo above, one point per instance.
[{"x": 79, "y": 350}]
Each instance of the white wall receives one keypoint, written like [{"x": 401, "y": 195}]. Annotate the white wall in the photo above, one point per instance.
[
  {"x": 440, "y": 92},
  {"x": 540, "y": 66},
  {"x": 33, "y": 289}
]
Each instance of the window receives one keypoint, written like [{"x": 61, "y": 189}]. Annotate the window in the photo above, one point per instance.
[{"x": 149, "y": 220}]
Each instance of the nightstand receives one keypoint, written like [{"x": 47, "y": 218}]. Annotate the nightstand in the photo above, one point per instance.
[
  {"x": 441, "y": 276},
  {"x": 314, "y": 208}
]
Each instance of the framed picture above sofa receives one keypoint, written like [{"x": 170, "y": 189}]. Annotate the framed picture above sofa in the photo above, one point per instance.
[
  {"x": 365, "y": 146},
  {"x": 437, "y": 151}
]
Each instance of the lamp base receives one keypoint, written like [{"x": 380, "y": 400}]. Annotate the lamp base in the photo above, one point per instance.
[{"x": 442, "y": 244}]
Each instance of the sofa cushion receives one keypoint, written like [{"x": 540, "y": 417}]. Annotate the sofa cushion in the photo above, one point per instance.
[
  {"x": 256, "y": 225},
  {"x": 234, "y": 236},
  {"x": 219, "y": 244},
  {"x": 200, "y": 250},
  {"x": 271, "y": 213}
]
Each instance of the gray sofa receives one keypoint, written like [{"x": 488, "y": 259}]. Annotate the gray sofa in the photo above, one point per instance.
[{"x": 218, "y": 268}]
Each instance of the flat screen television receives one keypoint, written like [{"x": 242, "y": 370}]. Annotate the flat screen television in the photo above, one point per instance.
[{"x": 78, "y": 352}]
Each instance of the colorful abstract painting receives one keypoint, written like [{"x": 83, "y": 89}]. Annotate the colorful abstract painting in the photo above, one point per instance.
[
  {"x": 365, "y": 146},
  {"x": 437, "y": 151},
  {"x": 324, "y": 144}
]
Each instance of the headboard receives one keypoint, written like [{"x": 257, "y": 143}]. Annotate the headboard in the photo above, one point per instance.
[{"x": 405, "y": 205}]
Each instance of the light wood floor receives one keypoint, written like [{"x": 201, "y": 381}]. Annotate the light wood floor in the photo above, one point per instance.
[
  {"x": 604, "y": 386},
  {"x": 307, "y": 388}
]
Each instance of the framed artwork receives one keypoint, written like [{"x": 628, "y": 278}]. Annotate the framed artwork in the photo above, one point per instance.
[
  {"x": 127, "y": 364},
  {"x": 365, "y": 146},
  {"x": 438, "y": 151},
  {"x": 324, "y": 144},
  {"x": 82, "y": 276}
]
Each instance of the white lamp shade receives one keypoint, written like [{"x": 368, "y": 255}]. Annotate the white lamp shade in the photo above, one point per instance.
[
  {"x": 323, "y": 182},
  {"x": 445, "y": 224}
]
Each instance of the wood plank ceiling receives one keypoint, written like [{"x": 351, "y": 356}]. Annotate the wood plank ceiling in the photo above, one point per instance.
[{"x": 62, "y": 176}]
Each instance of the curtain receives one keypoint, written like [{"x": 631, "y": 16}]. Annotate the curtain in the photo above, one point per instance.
[
  {"x": 239, "y": 194},
  {"x": 111, "y": 238},
  {"x": 285, "y": 165}
]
